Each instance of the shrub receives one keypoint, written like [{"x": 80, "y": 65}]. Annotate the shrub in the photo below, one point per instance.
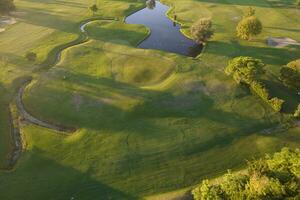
[
  {"x": 290, "y": 74},
  {"x": 260, "y": 90},
  {"x": 250, "y": 12},
  {"x": 272, "y": 177},
  {"x": 93, "y": 8},
  {"x": 245, "y": 69},
  {"x": 201, "y": 30},
  {"x": 31, "y": 56},
  {"x": 276, "y": 103},
  {"x": 6, "y": 6},
  {"x": 297, "y": 112},
  {"x": 150, "y": 4},
  {"x": 248, "y": 27}
]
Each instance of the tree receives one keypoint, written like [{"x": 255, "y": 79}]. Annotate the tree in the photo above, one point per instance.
[
  {"x": 290, "y": 74},
  {"x": 150, "y": 4},
  {"x": 201, "y": 30},
  {"x": 272, "y": 177},
  {"x": 297, "y": 112},
  {"x": 245, "y": 69},
  {"x": 31, "y": 56},
  {"x": 6, "y": 6},
  {"x": 250, "y": 12},
  {"x": 298, "y": 2},
  {"x": 94, "y": 8},
  {"x": 248, "y": 27}
]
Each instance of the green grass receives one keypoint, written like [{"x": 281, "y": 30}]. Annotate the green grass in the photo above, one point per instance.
[{"x": 147, "y": 121}]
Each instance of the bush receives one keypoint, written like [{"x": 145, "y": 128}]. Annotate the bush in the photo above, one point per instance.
[
  {"x": 248, "y": 27},
  {"x": 260, "y": 90},
  {"x": 245, "y": 69},
  {"x": 276, "y": 103},
  {"x": 201, "y": 30},
  {"x": 272, "y": 177},
  {"x": 290, "y": 74},
  {"x": 297, "y": 112},
  {"x": 31, "y": 56},
  {"x": 6, "y": 6}
]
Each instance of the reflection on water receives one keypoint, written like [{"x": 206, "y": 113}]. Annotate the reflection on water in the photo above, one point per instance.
[{"x": 165, "y": 34}]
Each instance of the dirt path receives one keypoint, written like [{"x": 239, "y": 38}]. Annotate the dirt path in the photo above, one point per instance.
[
  {"x": 29, "y": 118},
  {"x": 26, "y": 116}
]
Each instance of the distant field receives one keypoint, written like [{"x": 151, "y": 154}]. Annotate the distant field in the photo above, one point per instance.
[{"x": 147, "y": 121}]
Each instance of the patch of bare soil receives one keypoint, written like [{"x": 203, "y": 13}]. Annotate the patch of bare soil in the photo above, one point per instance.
[
  {"x": 6, "y": 21},
  {"x": 281, "y": 42}
]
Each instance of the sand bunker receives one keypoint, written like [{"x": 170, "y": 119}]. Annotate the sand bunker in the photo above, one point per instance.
[
  {"x": 6, "y": 21},
  {"x": 281, "y": 42}
]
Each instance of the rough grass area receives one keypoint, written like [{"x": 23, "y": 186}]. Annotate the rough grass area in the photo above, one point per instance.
[{"x": 147, "y": 121}]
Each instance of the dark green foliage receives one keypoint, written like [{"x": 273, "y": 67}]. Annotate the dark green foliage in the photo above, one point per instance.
[
  {"x": 273, "y": 177},
  {"x": 94, "y": 8},
  {"x": 6, "y": 6},
  {"x": 150, "y": 4},
  {"x": 290, "y": 74},
  {"x": 245, "y": 69},
  {"x": 248, "y": 70},
  {"x": 31, "y": 56},
  {"x": 201, "y": 30}
]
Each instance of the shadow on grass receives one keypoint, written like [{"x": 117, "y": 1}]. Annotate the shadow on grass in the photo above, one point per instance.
[
  {"x": 44, "y": 178},
  {"x": 269, "y": 55}
]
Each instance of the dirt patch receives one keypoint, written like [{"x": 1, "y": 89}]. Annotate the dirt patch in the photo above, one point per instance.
[
  {"x": 6, "y": 21},
  {"x": 281, "y": 42}
]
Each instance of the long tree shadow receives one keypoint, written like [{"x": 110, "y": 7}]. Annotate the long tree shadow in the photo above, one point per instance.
[
  {"x": 263, "y": 3},
  {"x": 43, "y": 178},
  {"x": 269, "y": 55}
]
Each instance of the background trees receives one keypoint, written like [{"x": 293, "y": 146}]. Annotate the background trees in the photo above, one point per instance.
[
  {"x": 201, "y": 30},
  {"x": 273, "y": 177},
  {"x": 249, "y": 26},
  {"x": 6, "y": 6}
]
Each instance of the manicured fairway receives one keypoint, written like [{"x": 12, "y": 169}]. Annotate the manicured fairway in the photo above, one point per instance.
[{"x": 147, "y": 121}]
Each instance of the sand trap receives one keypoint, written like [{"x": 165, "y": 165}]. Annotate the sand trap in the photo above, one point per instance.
[
  {"x": 281, "y": 42},
  {"x": 6, "y": 21}
]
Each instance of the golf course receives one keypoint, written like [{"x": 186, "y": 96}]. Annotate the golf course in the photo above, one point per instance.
[{"x": 92, "y": 106}]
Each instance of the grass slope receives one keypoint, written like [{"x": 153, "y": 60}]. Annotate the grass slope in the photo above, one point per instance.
[{"x": 148, "y": 121}]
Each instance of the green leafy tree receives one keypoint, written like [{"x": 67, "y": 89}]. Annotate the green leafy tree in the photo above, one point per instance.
[
  {"x": 31, "y": 56},
  {"x": 249, "y": 27},
  {"x": 6, "y": 6},
  {"x": 245, "y": 69},
  {"x": 94, "y": 8},
  {"x": 290, "y": 74},
  {"x": 269, "y": 178},
  {"x": 202, "y": 30}
]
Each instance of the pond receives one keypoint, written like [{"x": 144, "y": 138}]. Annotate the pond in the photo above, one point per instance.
[{"x": 165, "y": 34}]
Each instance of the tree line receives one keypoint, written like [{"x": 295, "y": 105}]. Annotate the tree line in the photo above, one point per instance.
[{"x": 272, "y": 177}]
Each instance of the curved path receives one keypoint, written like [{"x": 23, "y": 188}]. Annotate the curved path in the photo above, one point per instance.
[{"x": 15, "y": 129}]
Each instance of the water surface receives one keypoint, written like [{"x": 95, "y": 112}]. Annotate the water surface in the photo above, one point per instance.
[{"x": 165, "y": 34}]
